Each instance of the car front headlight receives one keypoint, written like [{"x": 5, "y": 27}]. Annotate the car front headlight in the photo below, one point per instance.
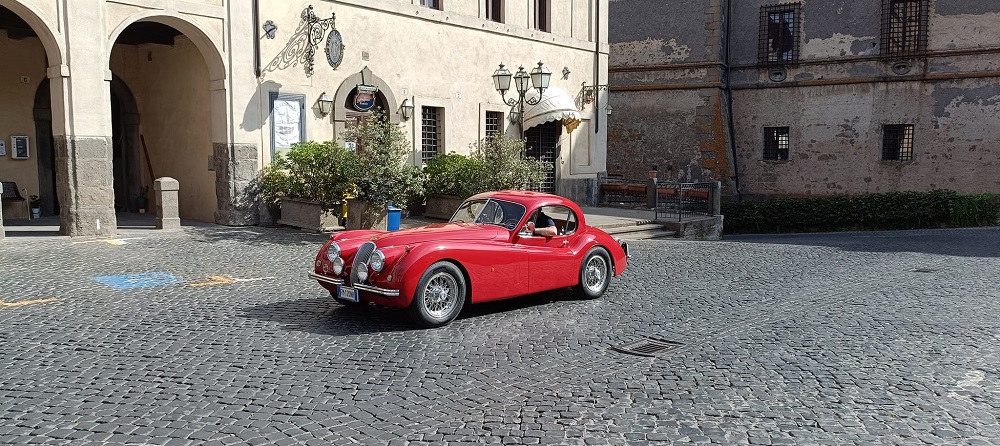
[
  {"x": 377, "y": 261},
  {"x": 332, "y": 251},
  {"x": 338, "y": 265}
]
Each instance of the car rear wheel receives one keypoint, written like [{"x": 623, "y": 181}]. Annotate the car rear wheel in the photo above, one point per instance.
[
  {"x": 595, "y": 274},
  {"x": 440, "y": 295}
]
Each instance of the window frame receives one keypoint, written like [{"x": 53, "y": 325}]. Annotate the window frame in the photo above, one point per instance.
[
  {"x": 433, "y": 4},
  {"x": 897, "y": 142},
  {"x": 765, "y": 44},
  {"x": 499, "y": 116},
  {"x": 438, "y": 133},
  {"x": 773, "y": 149},
  {"x": 542, "y": 15},
  {"x": 913, "y": 28},
  {"x": 494, "y": 11},
  {"x": 300, "y": 99}
]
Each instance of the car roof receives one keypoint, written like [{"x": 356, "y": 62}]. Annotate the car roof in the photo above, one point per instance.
[{"x": 532, "y": 200}]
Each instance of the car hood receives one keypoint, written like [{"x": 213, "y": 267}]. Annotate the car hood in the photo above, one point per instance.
[{"x": 442, "y": 232}]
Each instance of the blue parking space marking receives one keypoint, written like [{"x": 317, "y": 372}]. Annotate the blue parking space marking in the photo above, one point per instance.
[{"x": 144, "y": 280}]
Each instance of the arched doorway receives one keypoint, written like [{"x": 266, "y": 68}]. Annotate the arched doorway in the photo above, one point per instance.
[{"x": 163, "y": 70}]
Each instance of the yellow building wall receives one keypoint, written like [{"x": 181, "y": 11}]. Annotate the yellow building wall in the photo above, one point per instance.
[{"x": 24, "y": 58}]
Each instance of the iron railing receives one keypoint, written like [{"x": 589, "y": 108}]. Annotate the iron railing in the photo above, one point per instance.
[{"x": 679, "y": 200}]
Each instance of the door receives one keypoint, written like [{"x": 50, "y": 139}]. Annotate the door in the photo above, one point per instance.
[
  {"x": 542, "y": 142},
  {"x": 551, "y": 260}
]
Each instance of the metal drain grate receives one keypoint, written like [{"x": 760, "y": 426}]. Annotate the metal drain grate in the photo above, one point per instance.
[
  {"x": 649, "y": 347},
  {"x": 925, "y": 270}
]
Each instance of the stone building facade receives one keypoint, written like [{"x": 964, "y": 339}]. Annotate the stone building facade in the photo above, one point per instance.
[
  {"x": 114, "y": 94},
  {"x": 783, "y": 98}
]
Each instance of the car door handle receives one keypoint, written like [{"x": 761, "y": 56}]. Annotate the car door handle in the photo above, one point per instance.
[{"x": 565, "y": 242}]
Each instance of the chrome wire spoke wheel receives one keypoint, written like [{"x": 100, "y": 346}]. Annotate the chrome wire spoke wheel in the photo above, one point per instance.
[
  {"x": 441, "y": 294},
  {"x": 597, "y": 274}
]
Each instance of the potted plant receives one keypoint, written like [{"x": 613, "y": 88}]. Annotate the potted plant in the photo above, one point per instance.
[
  {"x": 383, "y": 176},
  {"x": 35, "y": 203},
  {"x": 308, "y": 184},
  {"x": 495, "y": 163},
  {"x": 141, "y": 203}
]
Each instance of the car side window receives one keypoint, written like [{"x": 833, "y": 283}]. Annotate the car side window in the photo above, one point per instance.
[{"x": 564, "y": 218}]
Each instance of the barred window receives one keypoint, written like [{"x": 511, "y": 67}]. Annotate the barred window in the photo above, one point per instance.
[
  {"x": 494, "y": 10},
  {"x": 493, "y": 120},
  {"x": 904, "y": 27},
  {"x": 897, "y": 142},
  {"x": 542, "y": 15},
  {"x": 430, "y": 132},
  {"x": 776, "y": 143},
  {"x": 779, "y": 34},
  {"x": 433, "y": 4}
]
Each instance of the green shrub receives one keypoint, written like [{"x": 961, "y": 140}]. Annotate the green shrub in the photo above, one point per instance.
[
  {"x": 451, "y": 174},
  {"x": 885, "y": 211},
  {"x": 495, "y": 163},
  {"x": 314, "y": 171}
]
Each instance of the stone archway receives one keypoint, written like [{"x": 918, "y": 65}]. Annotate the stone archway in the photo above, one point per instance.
[
  {"x": 384, "y": 96},
  {"x": 234, "y": 165}
]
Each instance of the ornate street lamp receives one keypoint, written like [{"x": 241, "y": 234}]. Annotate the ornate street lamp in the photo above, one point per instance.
[{"x": 539, "y": 79}]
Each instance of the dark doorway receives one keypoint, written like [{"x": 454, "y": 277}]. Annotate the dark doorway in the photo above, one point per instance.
[
  {"x": 542, "y": 142},
  {"x": 125, "y": 146},
  {"x": 46, "y": 157}
]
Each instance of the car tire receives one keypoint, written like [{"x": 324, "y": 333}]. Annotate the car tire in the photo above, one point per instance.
[
  {"x": 439, "y": 297},
  {"x": 595, "y": 274}
]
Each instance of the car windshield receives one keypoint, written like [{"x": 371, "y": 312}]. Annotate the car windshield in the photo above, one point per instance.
[{"x": 490, "y": 212}]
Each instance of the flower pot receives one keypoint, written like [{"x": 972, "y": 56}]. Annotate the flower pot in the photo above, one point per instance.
[
  {"x": 36, "y": 212},
  {"x": 308, "y": 215},
  {"x": 361, "y": 215},
  {"x": 142, "y": 204}
]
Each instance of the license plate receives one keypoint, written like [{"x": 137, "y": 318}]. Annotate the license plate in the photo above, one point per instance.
[{"x": 348, "y": 293}]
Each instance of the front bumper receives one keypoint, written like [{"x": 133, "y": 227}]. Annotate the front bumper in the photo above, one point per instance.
[{"x": 359, "y": 286}]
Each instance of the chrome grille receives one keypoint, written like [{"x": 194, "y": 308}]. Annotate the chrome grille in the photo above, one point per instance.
[{"x": 361, "y": 259}]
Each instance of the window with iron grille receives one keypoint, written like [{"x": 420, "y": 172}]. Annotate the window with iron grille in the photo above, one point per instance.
[
  {"x": 430, "y": 132},
  {"x": 542, "y": 15},
  {"x": 776, "y": 143},
  {"x": 904, "y": 27},
  {"x": 494, "y": 10},
  {"x": 897, "y": 142},
  {"x": 779, "y": 34},
  {"x": 433, "y": 4},
  {"x": 493, "y": 120}
]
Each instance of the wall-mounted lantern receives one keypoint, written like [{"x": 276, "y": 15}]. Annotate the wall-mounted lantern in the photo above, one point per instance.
[
  {"x": 325, "y": 104},
  {"x": 406, "y": 109}
]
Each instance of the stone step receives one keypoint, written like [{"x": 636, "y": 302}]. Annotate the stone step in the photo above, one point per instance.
[{"x": 645, "y": 231}]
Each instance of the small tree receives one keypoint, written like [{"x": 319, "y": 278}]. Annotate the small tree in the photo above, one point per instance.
[
  {"x": 383, "y": 176},
  {"x": 504, "y": 165},
  {"x": 312, "y": 171}
]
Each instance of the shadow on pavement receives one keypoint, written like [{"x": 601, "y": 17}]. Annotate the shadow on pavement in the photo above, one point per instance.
[
  {"x": 328, "y": 317},
  {"x": 962, "y": 242}
]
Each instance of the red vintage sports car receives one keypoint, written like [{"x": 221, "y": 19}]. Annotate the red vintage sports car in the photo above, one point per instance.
[{"x": 490, "y": 249}]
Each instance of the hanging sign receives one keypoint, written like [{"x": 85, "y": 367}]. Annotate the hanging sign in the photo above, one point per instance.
[{"x": 364, "y": 99}]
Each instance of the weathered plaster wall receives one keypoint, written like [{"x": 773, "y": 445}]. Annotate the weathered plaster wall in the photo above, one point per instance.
[
  {"x": 836, "y": 138},
  {"x": 16, "y": 116},
  {"x": 172, "y": 92},
  {"x": 665, "y": 77}
]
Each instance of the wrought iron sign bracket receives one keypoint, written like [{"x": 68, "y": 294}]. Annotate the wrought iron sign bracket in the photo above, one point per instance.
[{"x": 316, "y": 29}]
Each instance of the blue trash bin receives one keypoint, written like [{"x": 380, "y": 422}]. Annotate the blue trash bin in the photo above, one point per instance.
[{"x": 395, "y": 214}]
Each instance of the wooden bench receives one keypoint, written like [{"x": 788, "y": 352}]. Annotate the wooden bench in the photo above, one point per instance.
[{"x": 11, "y": 194}]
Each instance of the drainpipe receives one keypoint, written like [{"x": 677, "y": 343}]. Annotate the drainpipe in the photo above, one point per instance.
[
  {"x": 597, "y": 66},
  {"x": 256, "y": 40},
  {"x": 728, "y": 91}
]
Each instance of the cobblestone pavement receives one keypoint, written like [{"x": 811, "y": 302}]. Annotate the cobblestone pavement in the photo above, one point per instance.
[{"x": 857, "y": 338}]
